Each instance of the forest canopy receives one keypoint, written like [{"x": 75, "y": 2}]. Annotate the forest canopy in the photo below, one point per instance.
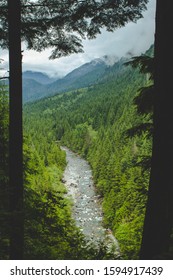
[{"x": 61, "y": 25}]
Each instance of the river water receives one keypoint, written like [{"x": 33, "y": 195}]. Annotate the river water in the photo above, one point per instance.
[{"x": 87, "y": 210}]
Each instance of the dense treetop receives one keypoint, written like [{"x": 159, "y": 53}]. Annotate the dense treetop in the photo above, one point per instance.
[
  {"x": 61, "y": 25},
  {"x": 95, "y": 122}
]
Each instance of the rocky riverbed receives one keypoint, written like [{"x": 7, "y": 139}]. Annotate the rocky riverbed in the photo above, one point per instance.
[{"x": 87, "y": 210}]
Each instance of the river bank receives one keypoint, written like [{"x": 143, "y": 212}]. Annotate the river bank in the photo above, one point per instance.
[{"x": 87, "y": 209}]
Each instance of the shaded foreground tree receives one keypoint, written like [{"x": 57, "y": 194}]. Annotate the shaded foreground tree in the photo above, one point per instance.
[
  {"x": 4, "y": 176},
  {"x": 15, "y": 132},
  {"x": 156, "y": 243},
  {"x": 60, "y": 25}
]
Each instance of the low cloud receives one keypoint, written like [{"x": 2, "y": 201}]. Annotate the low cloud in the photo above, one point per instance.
[{"x": 131, "y": 40}]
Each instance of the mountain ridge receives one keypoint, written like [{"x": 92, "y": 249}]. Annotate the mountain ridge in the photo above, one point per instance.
[
  {"x": 38, "y": 76},
  {"x": 96, "y": 71},
  {"x": 82, "y": 76}
]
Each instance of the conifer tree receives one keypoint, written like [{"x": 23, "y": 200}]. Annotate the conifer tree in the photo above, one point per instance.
[
  {"x": 158, "y": 224},
  {"x": 15, "y": 132},
  {"x": 60, "y": 25}
]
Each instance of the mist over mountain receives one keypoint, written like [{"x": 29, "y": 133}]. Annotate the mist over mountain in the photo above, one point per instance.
[
  {"x": 39, "y": 77},
  {"x": 101, "y": 123},
  {"x": 37, "y": 85}
]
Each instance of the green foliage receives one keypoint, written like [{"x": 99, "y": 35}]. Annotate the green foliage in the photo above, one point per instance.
[
  {"x": 93, "y": 122},
  {"x": 144, "y": 100},
  {"x": 3, "y": 130},
  {"x": 4, "y": 206},
  {"x": 88, "y": 122},
  {"x": 50, "y": 231}
]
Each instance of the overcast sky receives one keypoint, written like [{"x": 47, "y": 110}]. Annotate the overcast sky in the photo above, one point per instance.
[{"x": 133, "y": 39}]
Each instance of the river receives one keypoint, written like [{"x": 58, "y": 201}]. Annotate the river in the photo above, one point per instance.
[{"x": 87, "y": 209}]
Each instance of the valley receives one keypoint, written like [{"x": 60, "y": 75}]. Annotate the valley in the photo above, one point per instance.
[
  {"x": 37, "y": 85},
  {"x": 87, "y": 210},
  {"x": 97, "y": 122}
]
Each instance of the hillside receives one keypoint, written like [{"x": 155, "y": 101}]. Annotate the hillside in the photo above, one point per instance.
[
  {"x": 37, "y": 85},
  {"x": 39, "y": 77},
  {"x": 94, "y": 121},
  {"x": 31, "y": 88},
  {"x": 34, "y": 83}
]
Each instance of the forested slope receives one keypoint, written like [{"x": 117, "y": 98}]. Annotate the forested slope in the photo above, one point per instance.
[
  {"x": 49, "y": 230},
  {"x": 96, "y": 122},
  {"x": 4, "y": 205}
]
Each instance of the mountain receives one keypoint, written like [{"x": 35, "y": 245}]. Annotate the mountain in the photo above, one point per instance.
[
  {"x": 38, "y": 77},
  {"x": 35, "y": 85},
  {"x": 83, "y": 76},
  {"x": 96, "y": 122},
  {"x": 31, "y": 89}
]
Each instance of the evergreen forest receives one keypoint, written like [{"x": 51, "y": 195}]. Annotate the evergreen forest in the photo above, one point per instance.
[
  {"x": 108, "y": 123},
  {"x": 115, "y": 118}
]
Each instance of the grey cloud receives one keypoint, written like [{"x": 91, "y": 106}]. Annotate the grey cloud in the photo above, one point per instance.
[{"x": 133, "y": 39}]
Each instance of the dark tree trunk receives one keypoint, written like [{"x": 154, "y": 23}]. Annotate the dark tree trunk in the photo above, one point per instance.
[
  {"x": 159, "y": 214},
  {"x": 15, "y": 132}
]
